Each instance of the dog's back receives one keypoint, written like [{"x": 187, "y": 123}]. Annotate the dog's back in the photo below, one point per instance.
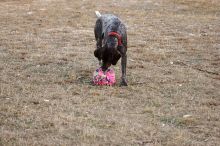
[{"x": 110, "y": 22}]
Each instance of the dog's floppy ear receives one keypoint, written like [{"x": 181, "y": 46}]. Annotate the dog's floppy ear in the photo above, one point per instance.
[
  {"x": 121, "y": 49},
  {"x": 115, "y": 59},
  {"x": 97, "y": 54}
]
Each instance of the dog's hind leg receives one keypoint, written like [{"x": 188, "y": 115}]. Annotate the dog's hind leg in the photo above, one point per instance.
[
  {"x": 122, "y": 50},
  {"x": 98, "y": 37}
]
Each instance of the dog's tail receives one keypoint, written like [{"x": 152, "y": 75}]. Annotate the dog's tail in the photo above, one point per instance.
[{"x": 98, "y": 14}]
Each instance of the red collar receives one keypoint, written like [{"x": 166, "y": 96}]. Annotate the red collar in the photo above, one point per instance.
[{"x": 118, "y": 36}]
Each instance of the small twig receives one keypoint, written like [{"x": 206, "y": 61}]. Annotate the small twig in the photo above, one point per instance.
[{"x": 206, "y": 71}]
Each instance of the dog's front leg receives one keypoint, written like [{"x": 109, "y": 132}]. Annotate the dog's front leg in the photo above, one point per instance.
[
  {"x": 123, "y": 69},
  {"x": 122, "y": 51}
]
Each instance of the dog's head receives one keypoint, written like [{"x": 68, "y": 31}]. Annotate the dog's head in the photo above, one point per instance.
[{"x": 110, "y": 54}]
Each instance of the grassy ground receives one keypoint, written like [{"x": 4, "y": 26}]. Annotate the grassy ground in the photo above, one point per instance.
[{"x": 46, "y": 65}]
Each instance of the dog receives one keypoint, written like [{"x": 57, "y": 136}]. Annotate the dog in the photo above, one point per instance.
[{"x": 111, "y": 43}]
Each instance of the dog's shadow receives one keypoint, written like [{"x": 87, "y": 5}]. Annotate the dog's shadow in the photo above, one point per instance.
[{"x": 84, "y": 77}]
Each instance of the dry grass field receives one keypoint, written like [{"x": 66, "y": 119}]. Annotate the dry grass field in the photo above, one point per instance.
[{"x": 46, "y": 65}]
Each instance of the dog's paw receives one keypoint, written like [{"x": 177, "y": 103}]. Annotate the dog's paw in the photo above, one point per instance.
[{"x": 123, "y": 83}]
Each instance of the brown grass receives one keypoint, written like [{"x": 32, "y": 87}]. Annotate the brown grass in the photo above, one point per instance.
[{"x": 46, "y": 65}]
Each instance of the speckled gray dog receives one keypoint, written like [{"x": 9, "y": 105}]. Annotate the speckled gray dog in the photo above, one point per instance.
[{"x": 111, "y": 42}]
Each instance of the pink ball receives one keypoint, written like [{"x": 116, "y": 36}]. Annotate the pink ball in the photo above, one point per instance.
[{"x": 104, "y": 78}]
